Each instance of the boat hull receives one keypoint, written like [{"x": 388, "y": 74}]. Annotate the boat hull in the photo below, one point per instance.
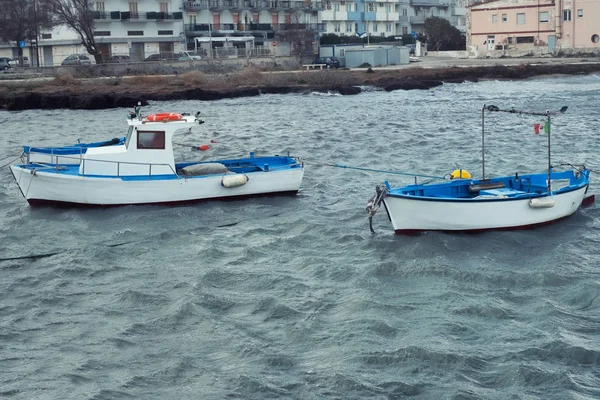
[
  {"x": 51, "y": 188},
  {"x": 413, "y": 215}
]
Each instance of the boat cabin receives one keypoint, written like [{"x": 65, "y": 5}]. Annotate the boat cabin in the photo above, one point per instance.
[{"x": 146, "y": 151}]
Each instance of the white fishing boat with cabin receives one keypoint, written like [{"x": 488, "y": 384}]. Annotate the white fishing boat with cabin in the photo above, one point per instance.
[{"x": 141, "y": 169}]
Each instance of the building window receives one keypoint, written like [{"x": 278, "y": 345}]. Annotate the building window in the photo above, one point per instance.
[
  {"x": 100, "y": 6},
  {"x": 349, "y": 27},
  {"x": 371, "y": 7},
  {"x": 388, "y": 8},
  {"x": 524, "y": 39},
  {"x": 494, "y": 18},
  {"x": 151, "y": 140},
  {"x": 164, "y": 7},
  {"x": 192, "y": 19},
  {"x": 348, "y": 7},
  {"x": 544, "y": 16},
  {"x": 388, "y": 27},
  {"x": 342, "y": 52},
  {"x": 520, "y": 18},
  {"x": 165, "y": 32},
  {"x": 101, "y": 33},
  {"x": 46, "y": 36},
  {"x": 135, "y": 33},
  {"x": 404, "y": 12},
  {"x": 405, "y": 30},
  {"x": 336, "y": 27},
  {"x": 375, "y": 27},
  {"x": 566, "y": 15},
  {"x": 504, "y": 17},
  {"x": 580, "y": 13},
  {"x": 336, "y": 6}
]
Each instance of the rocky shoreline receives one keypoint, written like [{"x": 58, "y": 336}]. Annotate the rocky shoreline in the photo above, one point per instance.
[{"x": 67, "y": 92}]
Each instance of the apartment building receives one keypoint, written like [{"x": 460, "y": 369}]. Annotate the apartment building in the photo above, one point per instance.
[
  {"x": 134, "y": 28},
  {"x": 265, "y": 21},
  {"x": 538, "y": 26}
]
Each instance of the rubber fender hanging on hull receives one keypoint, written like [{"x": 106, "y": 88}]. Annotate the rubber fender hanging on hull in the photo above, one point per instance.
[
  {"x": 231, "y": 181},
  {"x": 542, "y": 202}
]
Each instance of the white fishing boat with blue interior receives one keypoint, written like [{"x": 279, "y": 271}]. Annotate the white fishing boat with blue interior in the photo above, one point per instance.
[
  {"x": 141, "y": 169},
  {"x": 505, "y": 202}
]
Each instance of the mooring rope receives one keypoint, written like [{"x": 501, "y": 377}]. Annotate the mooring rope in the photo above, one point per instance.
[
  {"x": 373, "y": 170},
  {"x": 10, "y": 162}
]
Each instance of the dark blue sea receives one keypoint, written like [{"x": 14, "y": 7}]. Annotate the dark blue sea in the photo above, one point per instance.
[{"x": 294, "y": 297}]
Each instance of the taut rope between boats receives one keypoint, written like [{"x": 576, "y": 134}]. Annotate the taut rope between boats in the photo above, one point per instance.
[{"x": 375, "y": 170}]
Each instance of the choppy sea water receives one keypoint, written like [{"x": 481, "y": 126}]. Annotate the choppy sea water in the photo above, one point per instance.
[{"x": 293, "y": 297}]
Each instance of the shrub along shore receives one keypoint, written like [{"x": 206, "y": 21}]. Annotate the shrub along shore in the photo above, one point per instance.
[{"x": 64, "y": 91}]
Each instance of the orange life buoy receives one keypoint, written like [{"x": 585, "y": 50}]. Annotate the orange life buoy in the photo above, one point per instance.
[{"x": 164, "y": 117}]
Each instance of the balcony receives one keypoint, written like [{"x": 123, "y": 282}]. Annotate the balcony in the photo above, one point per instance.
[
  {"x": 219, "y": 5},
  {"x": 430, "y": 3},
  {"x": 301, "y": 27},
  {"x": 137, "y": 17},
  {"x": 417, "y": 19},
  {"x": 241, "y": 27}
]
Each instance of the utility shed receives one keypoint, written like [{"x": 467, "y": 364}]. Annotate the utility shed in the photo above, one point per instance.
[
  {"x": 338, "y": 50},
  {"x": 377, "y": 56}
]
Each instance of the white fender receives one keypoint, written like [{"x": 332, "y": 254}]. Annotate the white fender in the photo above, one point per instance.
[
  {"x": 541, "y": 202},
  {"x": 230, "y": 181}
]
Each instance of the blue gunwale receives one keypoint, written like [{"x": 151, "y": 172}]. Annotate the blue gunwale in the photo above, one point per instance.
[{"x": 241, "y": 165}]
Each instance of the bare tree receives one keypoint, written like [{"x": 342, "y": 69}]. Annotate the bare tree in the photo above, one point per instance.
[
  {"x": 79, "y": 16},
  {"x": 20, "y": 20},
  {"x": 299, "y": 35}
]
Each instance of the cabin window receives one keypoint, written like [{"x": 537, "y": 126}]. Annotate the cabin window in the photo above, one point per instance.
[
  {"x": 544, "y": 16},
  {"x": 520, "y": 18},
  {"x": 128, "y": 137},
  {"x": 504, "y": 17},
  {"x": 566, "y": 15},
  {"x": 151, "y": 140},
  {"x": 494, "y": 18},
  {"x": 580, "y": 13}
]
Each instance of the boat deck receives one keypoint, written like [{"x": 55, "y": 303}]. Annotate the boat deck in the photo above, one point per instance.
[
  {"x": 239, "y": 166},
  {"x": 515, "y": 187}
]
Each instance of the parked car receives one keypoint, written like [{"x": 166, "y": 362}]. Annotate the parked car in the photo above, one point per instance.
[
  {"x": 5, "y": 64},
  {"x": 13, "y": 62},
  {"x": 77, "y": 59},
  {"x": 188, "y": 56},
  {"x": 330, "y": 62},
  {"x": 154, "y": 57},
  {"x": 119, "y": 59}
]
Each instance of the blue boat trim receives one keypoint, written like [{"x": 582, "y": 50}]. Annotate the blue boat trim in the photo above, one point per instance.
[{"x": 508, "y": 188}]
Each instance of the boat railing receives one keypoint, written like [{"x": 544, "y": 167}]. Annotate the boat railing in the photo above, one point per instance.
[
  {"x": 58, "y": 167},
  {"x": 52, "y": 155}
]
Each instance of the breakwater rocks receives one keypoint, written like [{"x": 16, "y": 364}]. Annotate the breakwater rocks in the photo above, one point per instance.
[{"x": 122, "y": 92}]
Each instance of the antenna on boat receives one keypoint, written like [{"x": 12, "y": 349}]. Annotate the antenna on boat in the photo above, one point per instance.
[{"x": 547, "y": 129}]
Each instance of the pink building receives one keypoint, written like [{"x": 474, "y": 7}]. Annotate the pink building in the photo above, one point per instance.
[{"x": 515, "y": 27}]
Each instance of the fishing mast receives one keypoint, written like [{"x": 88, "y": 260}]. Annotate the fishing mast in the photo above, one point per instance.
[{"x": 547, "y": 130}]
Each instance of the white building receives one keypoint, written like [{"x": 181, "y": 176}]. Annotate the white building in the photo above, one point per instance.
[{"x": 135, "y": 28}]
